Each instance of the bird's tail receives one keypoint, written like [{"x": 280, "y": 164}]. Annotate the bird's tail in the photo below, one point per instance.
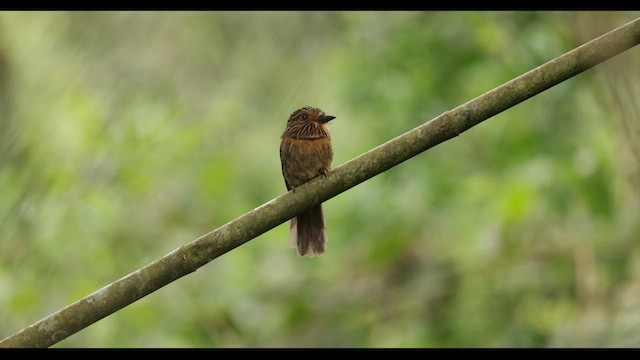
[{"x": 307, "y": 232}]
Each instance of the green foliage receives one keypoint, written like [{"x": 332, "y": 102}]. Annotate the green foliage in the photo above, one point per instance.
[{"x": 124, "y": 135}]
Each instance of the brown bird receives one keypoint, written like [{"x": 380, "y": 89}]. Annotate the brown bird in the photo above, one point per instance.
[{"x": 305, "y": 152}]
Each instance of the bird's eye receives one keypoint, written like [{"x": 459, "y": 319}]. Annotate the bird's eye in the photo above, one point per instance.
[{"x": 305, "y": 116}]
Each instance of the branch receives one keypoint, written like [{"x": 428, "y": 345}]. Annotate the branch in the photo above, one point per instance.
[{"x": 188, "y": 258}]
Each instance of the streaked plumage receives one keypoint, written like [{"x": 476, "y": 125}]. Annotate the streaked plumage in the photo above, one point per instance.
[{"x": 305, "y": 152}]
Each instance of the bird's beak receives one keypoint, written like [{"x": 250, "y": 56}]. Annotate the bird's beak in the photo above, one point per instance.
[{"x": 325, "y": 118}]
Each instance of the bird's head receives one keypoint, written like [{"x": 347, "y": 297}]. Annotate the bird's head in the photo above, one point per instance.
[{"x": 310, "y": 114}]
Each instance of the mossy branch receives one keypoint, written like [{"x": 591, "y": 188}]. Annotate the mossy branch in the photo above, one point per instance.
[{"x": 189, "y": 257}]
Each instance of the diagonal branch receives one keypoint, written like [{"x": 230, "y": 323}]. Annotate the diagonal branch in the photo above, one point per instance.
[{"x": 189, "y": 257}]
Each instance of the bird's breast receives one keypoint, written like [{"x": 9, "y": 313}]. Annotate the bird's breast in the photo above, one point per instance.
[{"x": 302, "y": 160}]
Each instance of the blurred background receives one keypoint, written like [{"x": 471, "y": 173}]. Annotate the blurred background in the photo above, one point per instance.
[{"x": 124, "y": 135}]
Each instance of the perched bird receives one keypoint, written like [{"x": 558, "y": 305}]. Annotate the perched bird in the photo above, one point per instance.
[{"x": 305, "y": 152}]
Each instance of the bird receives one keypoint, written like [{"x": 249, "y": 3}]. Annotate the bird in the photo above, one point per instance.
[{"x": 305, "y": 153}]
